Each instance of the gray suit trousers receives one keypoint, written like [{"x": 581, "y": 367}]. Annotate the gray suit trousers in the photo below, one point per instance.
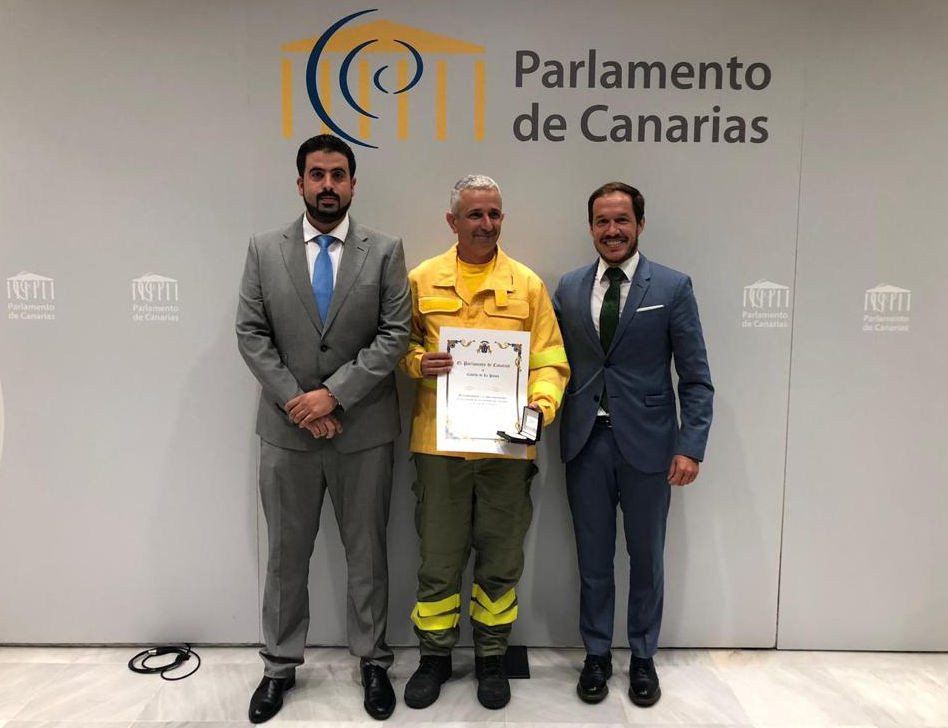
[{"x": 292, "y": 486}]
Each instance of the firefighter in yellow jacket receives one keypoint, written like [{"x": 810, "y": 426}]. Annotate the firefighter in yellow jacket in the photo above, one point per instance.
[{"x": 466, "y": 500}]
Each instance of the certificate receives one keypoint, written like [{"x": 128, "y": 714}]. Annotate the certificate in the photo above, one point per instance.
[{"x": 485, "y": 391}]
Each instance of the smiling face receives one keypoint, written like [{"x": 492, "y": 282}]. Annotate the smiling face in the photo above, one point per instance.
[
  {"x": 476, "y": 221},
  {"x": 615, "y": 232},
  {"x": 326, "y": 188}
]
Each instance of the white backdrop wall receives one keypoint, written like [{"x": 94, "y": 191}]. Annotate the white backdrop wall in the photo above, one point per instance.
[
  {"x": 865, "y": 539},
  {"x": 141, "y": 143}
]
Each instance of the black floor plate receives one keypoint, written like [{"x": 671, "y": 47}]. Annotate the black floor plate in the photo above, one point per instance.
[{"x": 517, "y": 662}]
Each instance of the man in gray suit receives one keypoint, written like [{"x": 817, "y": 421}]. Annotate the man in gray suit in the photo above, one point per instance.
[
  {"x": 323, "y": 318},
  {"x": 624, "y": 320}
]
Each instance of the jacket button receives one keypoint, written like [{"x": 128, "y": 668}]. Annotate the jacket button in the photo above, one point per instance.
[
  {"x": 595, "y": 398},
  {"x": 323, "y": 347}
]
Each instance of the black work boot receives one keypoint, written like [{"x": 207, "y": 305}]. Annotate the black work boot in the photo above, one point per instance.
[
  {"x": 493, "y": 689},
  {"x": 424, "y": 686}
]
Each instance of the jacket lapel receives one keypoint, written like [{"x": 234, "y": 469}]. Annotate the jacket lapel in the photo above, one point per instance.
[
  {"x": 294, "y": 258},
  {"x": 640, "y": 284},
  {"x": 585, "y": 296},
  {"x": 354, "y": 250}
]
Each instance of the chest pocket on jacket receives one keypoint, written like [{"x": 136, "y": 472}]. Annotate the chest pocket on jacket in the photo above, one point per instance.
[
  {"x": 438, "y": 304},
  {"x": 515, "y": 311}
]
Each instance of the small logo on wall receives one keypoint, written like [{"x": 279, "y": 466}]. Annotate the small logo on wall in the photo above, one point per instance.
[
  {"x": 155, "y": 298},
  {"x": 31, "y": 297},
  {"x": 377, "y": 37},
  {"x": 886, "y": 308},
  {"x": 766, "y": 306}
]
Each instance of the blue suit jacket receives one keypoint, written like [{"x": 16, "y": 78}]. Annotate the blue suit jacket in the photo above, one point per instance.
[{"x": 658, "y": 324}]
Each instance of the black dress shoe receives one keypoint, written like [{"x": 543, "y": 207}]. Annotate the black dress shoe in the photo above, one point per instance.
[
  {"x": 267, "y": 699},
  {"x": 592, "y": 686},
  {"x": 643, "y": 682},
  {"x": 424, "y": 686},
  {"x": 493, "y": 688},
  {"x": 379, "y": 697}
]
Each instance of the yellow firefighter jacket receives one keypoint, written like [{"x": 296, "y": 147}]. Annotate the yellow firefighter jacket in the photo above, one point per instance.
[{"x": 512, "y": 298}]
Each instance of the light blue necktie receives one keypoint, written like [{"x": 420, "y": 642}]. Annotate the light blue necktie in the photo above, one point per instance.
[{"x": 322, "y": 275}]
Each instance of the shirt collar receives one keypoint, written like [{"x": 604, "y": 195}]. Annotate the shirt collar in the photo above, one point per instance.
[
  {"x": 627, "y": 266},
  {"x": 339, "y": 232},
  {"x": 500, "y": 278}
]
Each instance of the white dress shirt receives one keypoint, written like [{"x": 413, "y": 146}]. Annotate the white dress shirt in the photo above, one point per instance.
[
  {"x": 335, "y": 249},
  {"x": 601, "y": 285}
]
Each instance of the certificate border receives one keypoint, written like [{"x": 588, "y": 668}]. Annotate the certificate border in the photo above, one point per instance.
[{"x": 483, "y": 347}]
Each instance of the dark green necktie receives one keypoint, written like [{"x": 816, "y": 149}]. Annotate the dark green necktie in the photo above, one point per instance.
[
  {"x": 609, "y": 313},
  {"x": 609, "y": 319}
]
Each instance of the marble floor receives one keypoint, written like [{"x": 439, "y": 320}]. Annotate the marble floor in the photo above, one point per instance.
[{"x": 77, "y": 687}]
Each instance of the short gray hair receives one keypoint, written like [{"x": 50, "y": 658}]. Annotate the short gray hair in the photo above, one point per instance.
[{"x": 471, "y": 182}]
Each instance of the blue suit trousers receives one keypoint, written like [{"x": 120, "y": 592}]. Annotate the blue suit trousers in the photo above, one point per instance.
[{"x": 598, "y": 481}]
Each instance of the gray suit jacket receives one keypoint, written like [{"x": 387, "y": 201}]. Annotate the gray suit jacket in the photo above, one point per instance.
[
  {"x": 289, "y": 351},
  {"x": 659, "y": 323}
]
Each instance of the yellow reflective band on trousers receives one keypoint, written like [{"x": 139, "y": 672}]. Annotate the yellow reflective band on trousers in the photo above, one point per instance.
[
  {"x": 490, "y": 612},
  {"x": 442, "y": 614}
]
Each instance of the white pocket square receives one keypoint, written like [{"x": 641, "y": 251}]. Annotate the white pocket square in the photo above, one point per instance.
[{"x": 649, "y": 308}]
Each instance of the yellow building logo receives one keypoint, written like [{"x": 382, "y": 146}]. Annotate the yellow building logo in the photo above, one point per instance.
[{"x": 377, "y": 37}]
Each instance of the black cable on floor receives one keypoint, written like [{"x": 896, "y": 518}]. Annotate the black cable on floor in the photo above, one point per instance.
[{"x": 139, "y": 663}]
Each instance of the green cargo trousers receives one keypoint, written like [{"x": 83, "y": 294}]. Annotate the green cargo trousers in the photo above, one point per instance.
[{"x": 484, "y": 503}]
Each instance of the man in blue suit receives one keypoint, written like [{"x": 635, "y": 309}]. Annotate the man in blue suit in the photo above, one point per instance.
[{"x": 624, "y": 320}]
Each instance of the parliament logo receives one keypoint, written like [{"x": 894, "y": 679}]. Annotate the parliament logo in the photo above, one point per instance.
[
  {"x": 31, "y": 297},
  {"x": 155, "y": 298},
  {"x": 377, "y": 37},
  {"x": 886, "y": 308},
  {"x": 766, "y": 306}
]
